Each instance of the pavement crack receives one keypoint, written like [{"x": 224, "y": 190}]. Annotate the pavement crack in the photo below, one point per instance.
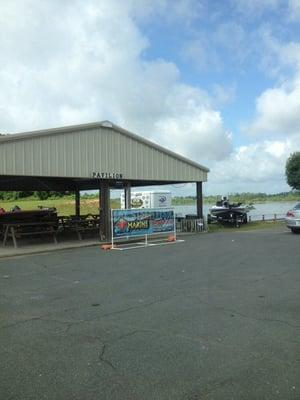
[
  {"x": 68, "y": 324},
  {"x": 232, "y": 311},
  {"x": 275, "y": 320},
  {"x": 137, "y": 307},
  {"x": 104, "y": 360},
  {"x": 119, "y": 311},
  {"x": 42, "y": 318},
  {"x": 279, "y": 274},
  {"x": 216, "y": 386},
  {"x": 128, "y": 335},
  {"x": 23, "y": 321}
]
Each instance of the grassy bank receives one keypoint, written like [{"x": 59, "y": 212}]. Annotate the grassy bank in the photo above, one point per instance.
[{"x": 255, "y": 225}]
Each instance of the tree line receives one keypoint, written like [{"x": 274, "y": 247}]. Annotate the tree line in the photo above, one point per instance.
[
  {"x": 43, "y": 195},
  {"x": 292, "y": 170}
]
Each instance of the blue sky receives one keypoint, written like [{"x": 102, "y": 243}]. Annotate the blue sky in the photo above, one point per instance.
[{"x": 217, "y": 81}]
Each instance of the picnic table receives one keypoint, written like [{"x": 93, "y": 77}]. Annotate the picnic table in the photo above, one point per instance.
[
  {"x": 28, "y": 223},
  {"x": 80, "y": 225}
]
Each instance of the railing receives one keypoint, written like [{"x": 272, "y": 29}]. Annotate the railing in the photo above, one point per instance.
[
  {"x": 266, "y": 217},
  {"x": 190, "y": 225},
  {"x": 199, "y": 225}
]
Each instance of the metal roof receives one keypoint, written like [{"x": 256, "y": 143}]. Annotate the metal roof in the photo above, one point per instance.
[
  {"x": 80, "y": 150},
  {"x": 106, "y": 124}
]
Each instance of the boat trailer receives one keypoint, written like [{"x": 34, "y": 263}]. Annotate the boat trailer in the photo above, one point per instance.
[{"x": 229, "y": 218}]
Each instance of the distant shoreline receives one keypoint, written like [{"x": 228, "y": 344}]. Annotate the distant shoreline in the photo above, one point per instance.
[
  {"x": 255, "y": 198},
  {"x": 191, "y": 203}
]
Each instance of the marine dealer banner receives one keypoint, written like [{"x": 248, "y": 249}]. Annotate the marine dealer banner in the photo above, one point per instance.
[{"x": 139, "y": 222}]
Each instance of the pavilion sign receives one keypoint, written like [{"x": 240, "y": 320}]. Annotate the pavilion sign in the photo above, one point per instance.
[{"x": 106, "y": 175}]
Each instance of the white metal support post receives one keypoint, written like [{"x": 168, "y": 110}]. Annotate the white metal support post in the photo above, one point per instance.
[{"x": 112, "y": 228}]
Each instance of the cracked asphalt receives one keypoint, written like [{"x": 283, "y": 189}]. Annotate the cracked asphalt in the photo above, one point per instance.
[{"x": 215, "y": 317}]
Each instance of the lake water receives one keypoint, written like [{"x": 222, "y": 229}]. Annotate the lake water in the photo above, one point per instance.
[{"x": 266, "y": 209}]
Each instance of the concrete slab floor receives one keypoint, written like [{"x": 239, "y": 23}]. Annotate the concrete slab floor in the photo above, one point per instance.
[
  {"x": 45, "y": 247},
  {"x": 27, "y": 247},
  {"x": 216, "y": 317}
]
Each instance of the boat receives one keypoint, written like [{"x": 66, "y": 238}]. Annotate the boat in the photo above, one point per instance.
[{"x": 229, "y": 213}]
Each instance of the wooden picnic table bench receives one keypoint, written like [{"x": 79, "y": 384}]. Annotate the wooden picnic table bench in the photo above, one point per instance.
[
  {"x": 80, "y": 225},
  {"x": 28, "y": 223},
  {"x": 18, "y": 229}
]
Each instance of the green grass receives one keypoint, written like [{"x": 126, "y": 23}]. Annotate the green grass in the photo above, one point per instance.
[
  {"x": 250, "y": 226},
  {"x": 64, "y": 206}
]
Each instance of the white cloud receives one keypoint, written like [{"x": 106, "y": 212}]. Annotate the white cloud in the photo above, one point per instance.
[
  {"x": 206, "y": 49},
  {"x": 294, "y": 10},
  {"x": 277, "y": 108},
  {"x": 224, "y": 94},
  {"x": 200, "y": 53},
  {"x": 171, "y": 11},
  {"x": 253, "y": 166},
  {"x": 278, "y": 58},
  {"x": 278, "y": 111},
  {"x": 196, "y": 134},
  {"x": 275, "y": 125},
  {"x": 255, "y": 8},
  {"x": 74, "y": 62}
]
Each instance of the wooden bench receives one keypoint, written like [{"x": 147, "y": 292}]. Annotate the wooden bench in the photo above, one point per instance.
[
  {"x": 80, "y": 225},
  {"x": 28, "y": 223}
]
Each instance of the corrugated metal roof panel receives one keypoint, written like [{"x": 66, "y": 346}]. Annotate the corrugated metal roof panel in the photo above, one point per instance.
[{"x": 101, "y": 147}]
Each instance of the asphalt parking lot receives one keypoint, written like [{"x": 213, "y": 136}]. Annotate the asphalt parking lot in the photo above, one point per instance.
[{"x": 215, "y": 317}]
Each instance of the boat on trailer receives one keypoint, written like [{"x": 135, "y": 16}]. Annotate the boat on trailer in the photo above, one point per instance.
[{"x": 229, "y": 213}]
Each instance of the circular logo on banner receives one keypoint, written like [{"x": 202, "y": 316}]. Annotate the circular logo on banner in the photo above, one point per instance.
[
  {"x": 162, "y": 199},
  {"x": 136, "y": 202}
]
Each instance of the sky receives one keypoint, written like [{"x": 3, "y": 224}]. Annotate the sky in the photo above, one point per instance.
[{"x": 217, "y": 81}]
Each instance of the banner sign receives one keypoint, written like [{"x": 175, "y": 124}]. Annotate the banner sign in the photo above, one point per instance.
[{"x": 140, "y": 222}]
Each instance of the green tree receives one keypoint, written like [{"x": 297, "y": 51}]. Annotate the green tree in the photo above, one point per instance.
[
  {"x": 44, "y": 195},
  {"x": 23, "y": 195},
  {"x": 292, "y": 170},
  {"x": 9, "y": 195}
]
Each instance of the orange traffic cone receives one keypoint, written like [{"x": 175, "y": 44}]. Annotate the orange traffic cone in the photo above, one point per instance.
[
  {"x": 171, "y": 238},
  {"x": 106, "y": 246}
]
